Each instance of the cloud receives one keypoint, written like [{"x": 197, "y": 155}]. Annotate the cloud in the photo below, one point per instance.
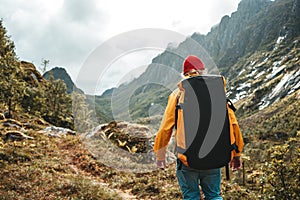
[
  {"x": 81, "y": 11},
  {"x": 66, "y": 32}
]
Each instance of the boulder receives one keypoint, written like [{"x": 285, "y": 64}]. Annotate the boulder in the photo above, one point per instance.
[
  {"x": 32, "y": 75},
  {"x": 125, "y": 146},
  {"x": 131, "y": 137},
  {"x": 55, "y": 131}
]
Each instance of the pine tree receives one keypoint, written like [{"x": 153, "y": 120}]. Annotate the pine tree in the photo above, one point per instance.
[
  {"x": 11, "y": 74},
  {"x": 34, "y": 100},
  {"x": 58, "y": 104}
]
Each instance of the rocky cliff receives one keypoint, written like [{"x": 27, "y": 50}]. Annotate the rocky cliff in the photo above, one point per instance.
[{"x": 256, "y": 49}]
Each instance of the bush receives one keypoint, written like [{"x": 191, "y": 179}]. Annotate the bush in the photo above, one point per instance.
[{"x": 282, "y": 172}]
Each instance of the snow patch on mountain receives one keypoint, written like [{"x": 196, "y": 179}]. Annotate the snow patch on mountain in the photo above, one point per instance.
[
  {"x": 259, "y": 74},
  {"x": 290, "y": 82},
  {"x": 278, "y": 41}
]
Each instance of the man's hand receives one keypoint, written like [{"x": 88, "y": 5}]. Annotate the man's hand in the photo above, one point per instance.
[
  {"x": 236, "y": 163},
  {"x": 161, "y": 164}
]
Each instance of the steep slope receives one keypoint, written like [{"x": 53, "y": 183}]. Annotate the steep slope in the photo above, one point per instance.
[
  {"x": 264, "y": 83},
  {"x": 253, "y": 27},
  {"x": 256, "y": 41},
  {"x": 266, "y": 77},
  {"x": 230, "y": 37}
]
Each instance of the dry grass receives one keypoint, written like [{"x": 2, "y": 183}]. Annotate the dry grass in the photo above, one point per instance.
[{"x": 62, "y": 168}]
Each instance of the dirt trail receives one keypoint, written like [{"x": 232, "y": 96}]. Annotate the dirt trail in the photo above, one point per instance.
[
  {"x": 123, "y": 194},
  {"x": 96, "y": 180}
]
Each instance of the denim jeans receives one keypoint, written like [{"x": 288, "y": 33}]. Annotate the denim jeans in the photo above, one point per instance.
[{"x": 189, "y": 180}]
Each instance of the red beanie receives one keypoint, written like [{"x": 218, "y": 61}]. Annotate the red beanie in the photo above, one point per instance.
[{"x": 192, "y": 63}]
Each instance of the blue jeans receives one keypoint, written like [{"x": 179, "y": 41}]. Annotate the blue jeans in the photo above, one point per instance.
[{"x": 188, "y": 179}]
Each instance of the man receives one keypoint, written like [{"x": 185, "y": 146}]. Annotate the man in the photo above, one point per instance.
[{"x": 188, "y": 178}]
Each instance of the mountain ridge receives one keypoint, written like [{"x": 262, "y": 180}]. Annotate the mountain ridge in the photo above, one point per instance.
[
  {"x": 234, "y": 44},
  {"x": 55, "y": 165}
]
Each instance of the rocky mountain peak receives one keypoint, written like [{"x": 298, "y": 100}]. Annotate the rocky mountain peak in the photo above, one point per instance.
[
  {"x": 252, "y": 6},
  {"x": 61, "y": 73},
  {"x": 256, "y": 40}
]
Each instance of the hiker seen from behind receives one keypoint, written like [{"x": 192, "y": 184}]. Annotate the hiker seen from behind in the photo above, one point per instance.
[{"x": 207, "y": 133}]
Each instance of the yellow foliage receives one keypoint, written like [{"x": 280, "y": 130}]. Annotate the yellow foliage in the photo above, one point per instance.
[{"x": 121, "y": 144}]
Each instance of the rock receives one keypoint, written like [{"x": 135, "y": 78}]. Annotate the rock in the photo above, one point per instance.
[
  {"x": 124, "y": 146},
  {"x": 57, "y": 131},
  {"x": 16, "y": 136},
  {"x": 131, "y": 137},
  {"x": 32, "y": 75}
]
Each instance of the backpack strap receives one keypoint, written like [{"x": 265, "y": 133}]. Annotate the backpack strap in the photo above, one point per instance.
[
  {"x": 230, "y": 104},
  {"x": 227, "y": 172},
  {"x": 178, "y": 106}
]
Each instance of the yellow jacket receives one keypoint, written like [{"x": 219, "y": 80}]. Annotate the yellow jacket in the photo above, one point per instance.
[{"x": 168, "y": 122}]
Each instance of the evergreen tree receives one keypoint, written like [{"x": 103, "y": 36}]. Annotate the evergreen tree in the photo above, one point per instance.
[
  {"x": 11, "y": 74},
  {"x": 58, "y": 106},
  {"x": 34, "y": 100}
]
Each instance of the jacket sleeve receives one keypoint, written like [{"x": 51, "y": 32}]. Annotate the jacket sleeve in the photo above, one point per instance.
[
  {"x": 237, "y": 133},
  {"x": 237, "y": 137},
  {"x": 166, "y": 127}
]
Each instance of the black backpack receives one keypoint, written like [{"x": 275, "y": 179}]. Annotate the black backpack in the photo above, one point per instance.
[{"x": 206, "y": 122}]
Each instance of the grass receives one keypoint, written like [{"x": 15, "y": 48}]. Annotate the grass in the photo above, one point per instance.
[
  {"x": 63, "y": 168},
  {"x": 41, "y": 169}
]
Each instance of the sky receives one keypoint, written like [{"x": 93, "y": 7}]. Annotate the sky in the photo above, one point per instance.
[{"x": 68, "y": 32}]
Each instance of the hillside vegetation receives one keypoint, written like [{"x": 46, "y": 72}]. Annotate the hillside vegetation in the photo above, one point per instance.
[{"x": 44, "y": 125}]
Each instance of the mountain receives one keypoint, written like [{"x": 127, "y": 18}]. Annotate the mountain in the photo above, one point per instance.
[
  {"x": 38, "y": 161},
  {"x": 256, "y": 25},
  {"x": 256, "y": 49},
  {"x": 61, "y": 73}
]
